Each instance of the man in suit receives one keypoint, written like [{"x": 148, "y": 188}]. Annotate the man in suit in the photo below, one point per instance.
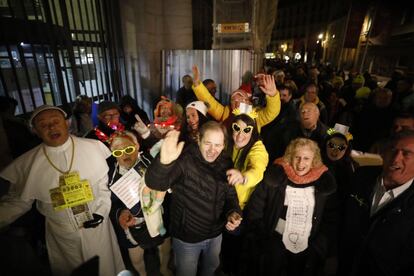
[{"x": 378, "y": 235}]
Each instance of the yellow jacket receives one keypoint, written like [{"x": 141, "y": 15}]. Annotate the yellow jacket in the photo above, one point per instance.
[
  {"x": 253, "y": 170},
  {"x": 221, "y": 113}
]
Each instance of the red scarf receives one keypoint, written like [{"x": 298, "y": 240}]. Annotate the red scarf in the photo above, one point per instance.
[{"x": 311, "y": 176}]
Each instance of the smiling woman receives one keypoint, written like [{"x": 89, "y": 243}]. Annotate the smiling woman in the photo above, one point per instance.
[
  {"x": 250, "y": 159},
  {"x": 292, "y": 213}
]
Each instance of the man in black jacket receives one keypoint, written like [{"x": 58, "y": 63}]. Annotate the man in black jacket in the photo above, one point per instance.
[
  {"x": 309, "y": 126},
  {"x": 202, "y": 201},
  {"x": 379, "y": 233},
  {"x": 108, "y": 115}
]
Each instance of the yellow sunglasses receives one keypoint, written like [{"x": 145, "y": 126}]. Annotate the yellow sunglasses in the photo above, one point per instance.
[
  {"x": 119, "y": 152},
  {"x": 237, "y": 128}
]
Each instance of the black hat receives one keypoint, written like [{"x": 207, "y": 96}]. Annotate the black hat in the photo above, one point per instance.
[{"x": 107, "y": 105}]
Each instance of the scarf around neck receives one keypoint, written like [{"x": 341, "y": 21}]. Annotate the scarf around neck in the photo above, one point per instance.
[{"x": 311, "y": 176}]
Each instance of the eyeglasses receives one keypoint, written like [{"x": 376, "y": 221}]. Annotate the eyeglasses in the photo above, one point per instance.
[
  {"x": 110, "y": 116},
  {"x": 128, "y": 150},
  {"x": 334, "y": 146},
  {"x": 238, "y": 128}
]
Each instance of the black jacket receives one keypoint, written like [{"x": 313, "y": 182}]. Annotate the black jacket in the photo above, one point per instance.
[
  {"x": 271, "y": 132},
  {"x": 141, "y": 235},
  {"x": 267, "y": 203},
  {"x": 201, "y": 198},
  {"x": 266, "y": 206},
  {"x": 384, "y": 243},
  {"x": 286, "y": 134}
]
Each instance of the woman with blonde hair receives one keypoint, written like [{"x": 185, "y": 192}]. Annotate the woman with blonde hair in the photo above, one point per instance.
[{"x": 291, "y": 214}]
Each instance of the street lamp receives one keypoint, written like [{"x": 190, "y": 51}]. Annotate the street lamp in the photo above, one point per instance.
[{"x": 320, "y": 36}]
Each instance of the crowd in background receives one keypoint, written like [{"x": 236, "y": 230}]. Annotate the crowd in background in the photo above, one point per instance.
[{"x": 266, "y": 185}]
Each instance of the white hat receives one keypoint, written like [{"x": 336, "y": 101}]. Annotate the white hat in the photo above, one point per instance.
[
  {"x": 200, "y": 106},
  {"x": 42, "y": 108},
  {"x": 343, "y": 129}
]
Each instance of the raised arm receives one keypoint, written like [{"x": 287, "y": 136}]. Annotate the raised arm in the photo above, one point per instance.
[
  {"x": 216, "y": 110},
  {"x": 272, "y": 109},
  {"x": 163, "y": 171}
]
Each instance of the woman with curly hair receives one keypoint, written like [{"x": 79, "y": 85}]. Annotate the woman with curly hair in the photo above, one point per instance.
[{"x": 291, "y": 215}]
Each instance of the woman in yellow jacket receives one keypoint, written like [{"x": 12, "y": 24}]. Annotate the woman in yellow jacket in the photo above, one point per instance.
[
  {"x": 250, "y": 159},
  {"x": 222, "y": 113}
]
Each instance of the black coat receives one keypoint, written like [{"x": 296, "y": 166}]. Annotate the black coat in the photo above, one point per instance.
[
  {"x": 384, "y": 243},
  {"x": 266, "y": 206},
  {"x": 201, "y": 198},
  {"x": 285, "y": 135},
  {"x": 271, "y": 132},
  {"x": 185, "y": 96},
  {"x": 141, "y": 235}
]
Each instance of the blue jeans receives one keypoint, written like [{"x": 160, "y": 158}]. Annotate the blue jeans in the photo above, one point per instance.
[{"x": 186, "y": 256}]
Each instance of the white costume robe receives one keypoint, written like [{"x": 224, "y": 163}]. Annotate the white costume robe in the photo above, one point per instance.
[{"x": 31, "y": 177}]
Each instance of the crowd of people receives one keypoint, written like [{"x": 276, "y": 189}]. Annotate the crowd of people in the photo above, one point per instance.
[{"x": 264, "y": 185}]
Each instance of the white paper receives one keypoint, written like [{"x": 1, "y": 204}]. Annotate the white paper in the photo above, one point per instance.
[
  {"x": 81, "y": 214},
  {"x": 366, "y": 158},
  {"x": 341, "y": 128},
  {"x": 245, "y": 108},
  {"x": 298, "y": 225},
  {"x": 127, "y": 188}
]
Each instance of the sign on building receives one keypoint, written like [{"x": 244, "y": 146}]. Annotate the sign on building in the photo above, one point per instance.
[{"x": 232, "y": 28}]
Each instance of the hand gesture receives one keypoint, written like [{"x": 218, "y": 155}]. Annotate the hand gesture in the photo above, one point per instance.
[
  {"x": 267, "y": 84},
  {"x": 234, "y": 177},
  {"x": 233, "y": 221},
  {"x": 196, "y": 75},
  {"x": 171, "y": 149},
  {"x": 140, "y": 127},
  {"x": 126, "y": 219}
]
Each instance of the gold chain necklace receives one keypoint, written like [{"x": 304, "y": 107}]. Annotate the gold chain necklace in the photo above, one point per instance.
[{"x": 71, "y": 161}]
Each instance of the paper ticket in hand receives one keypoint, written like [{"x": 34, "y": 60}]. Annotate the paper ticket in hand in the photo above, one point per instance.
[{"x": 126, "y": 188}]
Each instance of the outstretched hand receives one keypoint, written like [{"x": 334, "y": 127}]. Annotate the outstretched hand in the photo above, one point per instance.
[
  {"x": 196, "y": 75},
  {"x": 267, "y": 84},
  {"x": 234, "y": 177},
  {"x": 171, "y": 148}
]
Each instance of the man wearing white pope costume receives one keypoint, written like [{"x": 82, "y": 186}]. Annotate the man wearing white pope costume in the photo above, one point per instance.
[{"x": 74, "y": 234}]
